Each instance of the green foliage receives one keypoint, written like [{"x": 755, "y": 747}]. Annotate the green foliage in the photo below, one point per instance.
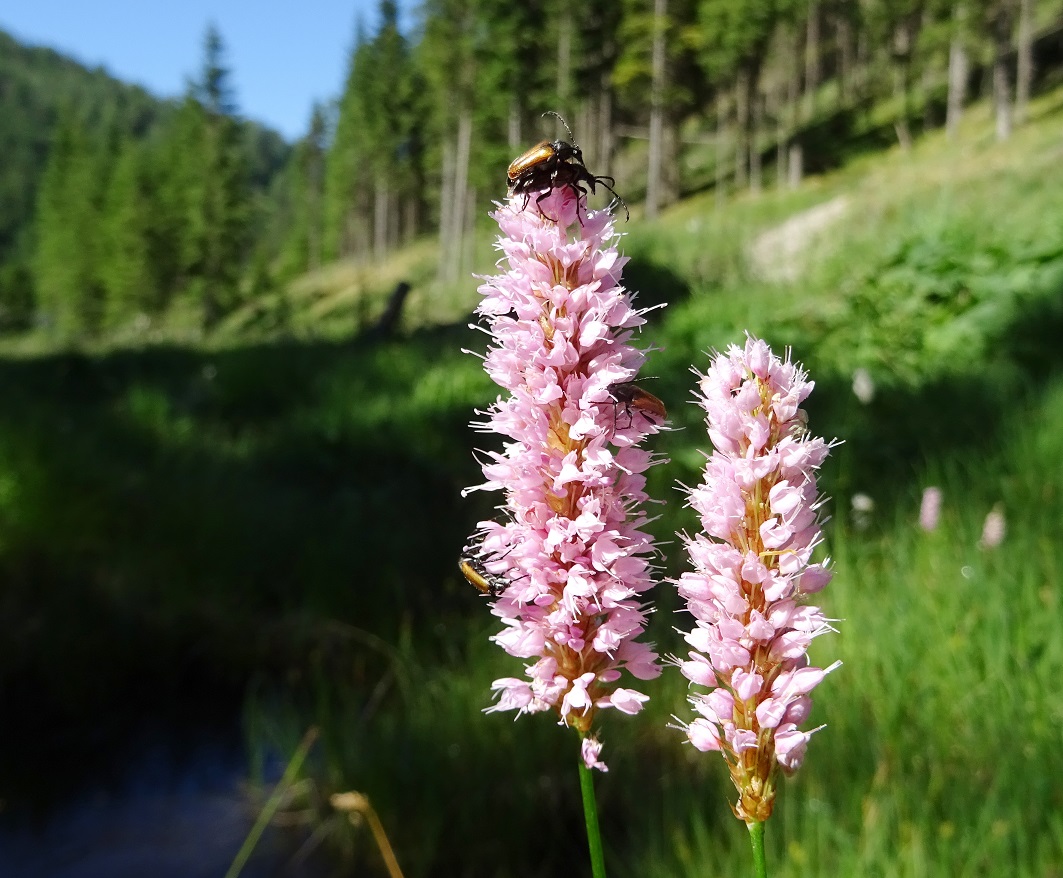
[
  {"x": 139, "y": 202},
  {"x": 735, "y": 34},
  {"x": 130, "y": 240},
  {"x": 940, "y": 297},
  {"x": 938, "y": 755},
  {"x": 373, "y": 166},
  {"x": 69, "y": 211},
  {"x": 685, "y": 87},
  {"x": 37, "y": 87},
  {"x": 217, "y": 189},
  {"x": 296, "y": 228},
  {"x": 345, "y": 190},
  {"x": 17, "y": 298}
]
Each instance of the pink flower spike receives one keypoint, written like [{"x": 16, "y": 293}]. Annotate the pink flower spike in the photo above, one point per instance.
[
  {"x": 753, "y": 571},
  {"x": 930, "y": 509},
  {"x": 570, "y": 552},
  {"x": 994, "y": 529}
]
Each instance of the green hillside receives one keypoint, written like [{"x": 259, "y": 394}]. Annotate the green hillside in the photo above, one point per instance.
[{"x": 107, "y": 151}]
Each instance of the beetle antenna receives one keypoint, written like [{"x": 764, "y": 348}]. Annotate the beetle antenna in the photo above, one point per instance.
[
  {"x": 571, "y": 137},
  {"x": 617, "y": 197}
]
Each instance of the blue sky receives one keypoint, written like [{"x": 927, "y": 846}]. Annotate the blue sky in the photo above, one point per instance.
[{"x": 283, "y": 56}]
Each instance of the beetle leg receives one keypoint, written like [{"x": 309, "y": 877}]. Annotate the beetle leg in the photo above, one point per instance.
[{"x": 539, "y": 204}]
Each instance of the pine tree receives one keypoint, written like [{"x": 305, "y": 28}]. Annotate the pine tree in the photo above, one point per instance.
[
  {"x": 217, "y": 198},
  {"x": 128, "y": 237},
  {"x": 69, "y": 209},
  {"x": 386, "y": 98},
  {"x": 346, "y": 199},
  {"x": 17, "y": 297},
  {"x": 298, "y": 221}
]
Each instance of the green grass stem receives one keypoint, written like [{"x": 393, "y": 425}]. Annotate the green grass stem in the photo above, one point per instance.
[{"x": 292, "y": 770}]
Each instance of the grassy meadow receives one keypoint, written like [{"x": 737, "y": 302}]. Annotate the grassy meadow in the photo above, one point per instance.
[{"x": 273, "y": 520}]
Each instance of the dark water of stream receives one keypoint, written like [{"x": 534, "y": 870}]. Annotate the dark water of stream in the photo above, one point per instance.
[{"x": 173, "y": 805}]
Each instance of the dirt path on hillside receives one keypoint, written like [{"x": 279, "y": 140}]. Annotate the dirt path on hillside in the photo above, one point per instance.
[{"x": 781, "y": 253}]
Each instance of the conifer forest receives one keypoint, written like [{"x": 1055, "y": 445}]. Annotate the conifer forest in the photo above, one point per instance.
[{"x": 124, "y": 210}]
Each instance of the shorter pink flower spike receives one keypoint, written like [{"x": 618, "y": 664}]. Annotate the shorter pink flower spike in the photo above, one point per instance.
[{"x": 758, "y": 506}]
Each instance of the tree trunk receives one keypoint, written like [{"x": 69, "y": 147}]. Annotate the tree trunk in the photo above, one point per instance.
[
  {"x": 812, "y": 58},
  {"x": 394, "y": 220},
  {"x": 604, "y": 149},
  {"x": 461, "y": 187},
  {"x": 790, "y": 165},
  {"x": 656, "y": 152},
  {"x": 903, "y": 46},
  {"x": 797, "y": 165},
  {"x": 742, "y": 116},
  {"x": 585, "y": 122},
  {"x": 410, "y": 219},
  {"x": 513, "y": 139},
  {"x": 313, "y": 228},
  {"x": 564, "y": 58},
  {"x": 779, "y": 111},
  {"x": 958, "y": 73},
  {"x": 357, "y": 229},
  {"x": 446, "y": 209},
  {"x": 1001, "y": 27},
  {"x": 845, "y": 58},
  {"x": 780, "y": 157},
  {"x": 380, "y": 219},
  {"x": 755, "y": 176},
  {"x": 862, "y": 65},
  {"x": 721, "y": 148},
  {"x": 670, "y": 181},
  {"x": 1024, "y": 68},
  {"x": 466, "y": 252}
]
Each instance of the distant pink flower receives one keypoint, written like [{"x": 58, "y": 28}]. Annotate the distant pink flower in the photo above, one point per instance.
[
  {"x": 572, "y": 472},
  {"x": 994, "y": 529},
  {"x": 930, "y": 509},
  {"x": 758, "y": 506}
]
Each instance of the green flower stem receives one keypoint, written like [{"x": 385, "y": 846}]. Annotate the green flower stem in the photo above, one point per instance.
[
  {"x": 756, "y": 839},
  {"x": 590, "y": 811},
  {"x": 274, "y": 801}
]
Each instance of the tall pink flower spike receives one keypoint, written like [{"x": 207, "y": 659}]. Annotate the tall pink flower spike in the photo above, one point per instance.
[
  {"x": 758, "y": 506},
  {"x": 570, "y": 553}
]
